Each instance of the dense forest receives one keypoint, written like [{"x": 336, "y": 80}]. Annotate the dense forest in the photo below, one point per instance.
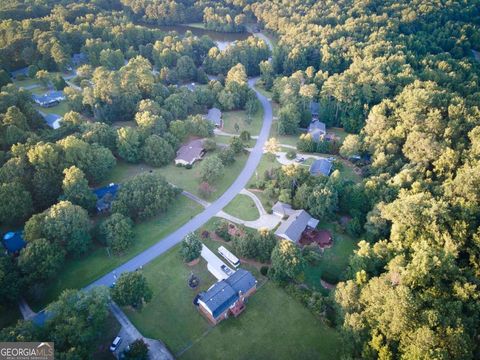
[{"x": 400, "y": 76}]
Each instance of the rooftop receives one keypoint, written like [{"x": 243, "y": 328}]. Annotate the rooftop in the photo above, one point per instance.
[
  {"x": 297, "y": 222},
  {"x": 321, "y": 167},
  {"x": 317, "y": 129},
  {"x": 214, "y": 115},
  {"x": 191, "y": 151},
  {"x": 105, "y": 196},
  {"x": 49, "y": 98},
  {"x": 282, "y": 209},
  {"x": 13, "y": 242}
]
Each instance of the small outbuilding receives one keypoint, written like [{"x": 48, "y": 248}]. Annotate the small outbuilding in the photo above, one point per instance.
[
  {"x": 13, "y": 242},
  {"x": 214, "y": 115},
  {"x": 105, "y": 196},
  {"x": 189, "y": 153},
  {"x": 321, "y": 167}
]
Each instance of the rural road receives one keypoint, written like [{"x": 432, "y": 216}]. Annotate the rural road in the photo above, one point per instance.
[{"x": 195, "y": 223}]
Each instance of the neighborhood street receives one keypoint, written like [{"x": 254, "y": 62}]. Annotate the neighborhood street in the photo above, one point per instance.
[{"x": 177, "y": 236}]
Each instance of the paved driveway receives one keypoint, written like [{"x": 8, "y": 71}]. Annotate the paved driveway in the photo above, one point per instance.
[{"x": 176, "y": 237}]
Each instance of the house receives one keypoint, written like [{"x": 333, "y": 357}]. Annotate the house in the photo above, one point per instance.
[
  {"x": 226, "y": 297},
  {"x": 317, "y": 130},
  {"x": 189, "y": 153},
  {"x": 52, "y": 120},
  {"x": 214, "y": 115},
  {"x": 282, "y": 210},
  {"x": 105, "y": 196},
  {"x": 49, "y": 99},
  {"x": 292, "y": 228},
  {"x": 20, "y": 73},
  {"x": 321, "y": 167},
  {"x": 13, "y": 242}
]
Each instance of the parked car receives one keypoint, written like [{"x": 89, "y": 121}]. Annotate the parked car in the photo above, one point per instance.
[
  {"x": 300, "y": 159},
  {"x": 227, "y": 270},
  {"x": 331, "y": 158},
  {"x": 115, "y": 343}
]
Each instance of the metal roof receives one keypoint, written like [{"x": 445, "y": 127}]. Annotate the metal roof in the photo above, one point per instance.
[{"x": 321, "y": 167}]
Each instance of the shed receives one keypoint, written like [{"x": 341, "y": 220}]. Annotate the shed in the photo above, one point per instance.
[{"x": 282, "y": 210}]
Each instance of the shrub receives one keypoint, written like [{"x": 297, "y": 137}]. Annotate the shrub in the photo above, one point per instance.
[
  {"x": 264, "y": 270},
  {"x": 292, "y": 154},
  {"x": 221, "y": 229},
  {"x": 191, "y": 247}
]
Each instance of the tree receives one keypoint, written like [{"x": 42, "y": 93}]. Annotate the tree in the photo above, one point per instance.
[
  {"x": 191, "y": 247},
  {"x": 144, "y": 196},
  {"x": 132, "y": 289},
  {"x": 186, "y": 69},
  {"x": 251, "y": 108},
  {"x": 16, "y": 204},
  {"x": 116, "y": 232},
  {"x": 205, "y": 190},
  {"x": 289, "y": 118},
  {"x": 76, "y": 190},
  {"x": 272, "y": 146},
  {"x": 44, "y": 77},
  {"x": 10, "y": 284},
  {"x": 137, "y": 350},
  {"x": 323, "y": 201},
  {"x": 40, "y": 260},
  {"x": 64, "y": 224},
  {"x": 211, "y": 169},
  {"x": 157, "y": 151},
  {"x": 128, "y": 144},
  {"x": 245, "y": 136},
  {"x": 287, "y": 261},
  {"x": 58, "y": 82},
  {"x": 351, "y": 146},
  {"x": 78, "y": 320},
  {"x": 236, "y": 145}
]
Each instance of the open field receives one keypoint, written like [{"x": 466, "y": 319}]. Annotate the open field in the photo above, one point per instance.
[
  {"x": 78, "y": 273},
  {"x": 243, "y": 208},
  {"x": 274, "y": 325},
  {"x": 60, "y": 109},
  {"x": 239, "y": 117},
  {"x": 224, "y": 139}
]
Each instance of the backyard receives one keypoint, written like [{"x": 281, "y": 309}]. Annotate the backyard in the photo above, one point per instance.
[
  {"x": 78, "y": 273},
  {"x": 273, "y": 326},
  {"x": 243, "y": 208}
]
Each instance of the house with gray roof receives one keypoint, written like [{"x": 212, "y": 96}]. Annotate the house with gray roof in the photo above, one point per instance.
[
  {"x": 321, "y": 167},
  {"x": 282, "y": 210},
  {"x": 317, "y": 130},
  {"x": 52, "y": 120},
  {"x": 23, "y": 72},
  {"x": 226, "y": 297},
  {"x": 49, "y": 99},
  {"x": 214, "y": 115},
  {"x": 190, "y": 152},
  {"x": 292, "y": 228}
]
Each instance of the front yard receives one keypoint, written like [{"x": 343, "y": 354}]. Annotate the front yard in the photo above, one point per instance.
[
  {"x": 239, "y": 117},
  {"x": 274, "y": 325},
  {"x": 243, "y": 208},
  {"x": 78, "y": 273}
]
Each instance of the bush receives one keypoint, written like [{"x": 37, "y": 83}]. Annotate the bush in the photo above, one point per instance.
[
  {"x": 264, "y": 270},
  {"x": 188, "y": 166},
  {"x": 191, "y": 247},
  {"x": 221, "y": 229},
  {"x": 210, "y": 144},
  {"x": 292, "y": 154}
]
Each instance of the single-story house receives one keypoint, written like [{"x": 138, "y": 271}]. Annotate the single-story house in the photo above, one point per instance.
[
  {"x": 321, "y": 167},
  {"x": 52, "y": 120},
  {"x": 49, "y": 99},
  {"x": 292, "y": 228},
  {"x": 105, "y": 196},
  {"x": 317, "y": 130},
  {"x": 214, "y": 115},
  {"x": 282, "y": 210},
  {"x": 13, "y": 242},
  {"x": 226, "y": 297},
  {"x": 23, "y": 72},
  {"x": 189, "y": 153}
]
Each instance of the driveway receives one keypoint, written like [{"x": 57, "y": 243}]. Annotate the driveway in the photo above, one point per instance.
[{"x": 176, "y": 237}]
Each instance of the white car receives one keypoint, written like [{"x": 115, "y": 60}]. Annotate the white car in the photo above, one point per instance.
[{"x": 115, "y": 343}]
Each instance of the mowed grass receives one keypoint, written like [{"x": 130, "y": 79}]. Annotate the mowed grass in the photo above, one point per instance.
[
  {"x": 224, "y": 139},
  {"x": 243, "y": 208},
  {"x": 78, "y": 273},
  {"x": 61, "y": 109},
  {"x": 334, "y": 261},
  {"x": 239, "y": 117},
  {"x": 274, "y": 325},
  {"x": 189, "y": 179}
]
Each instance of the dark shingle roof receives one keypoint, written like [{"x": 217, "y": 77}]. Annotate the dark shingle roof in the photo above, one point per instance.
[
  {"x": 224, "y": 293},
  {"x": 295, "y": 224},
  {"x": 317, "y": 129},
  {"x": 191, "y": 151},
  {"x": 321, "y": 167},
  {"x": 49, "y": 98},
  {"x": 215, "y": 116}
]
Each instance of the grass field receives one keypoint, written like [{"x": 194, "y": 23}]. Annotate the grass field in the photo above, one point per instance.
[
  {"x": 243, "y": 208},
  {"x": 230, "y": 118},
  {"x": 334, "y": 260},
  {"x": 267, "y": 163},
  {"x": 224, "y": 139},
  {"x": 78, "y": 273},
  {"x": 60, "y": 109},
  {"x": 274, "y": 326}
]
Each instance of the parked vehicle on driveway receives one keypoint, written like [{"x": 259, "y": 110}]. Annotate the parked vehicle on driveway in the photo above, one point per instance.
[{"x": 115, "y": 343}]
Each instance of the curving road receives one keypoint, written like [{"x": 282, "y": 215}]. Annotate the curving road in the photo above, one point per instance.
[{"x": 195, "y": 223}]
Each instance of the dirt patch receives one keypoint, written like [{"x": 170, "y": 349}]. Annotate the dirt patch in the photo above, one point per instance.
[{"x": 194, "y": 262}]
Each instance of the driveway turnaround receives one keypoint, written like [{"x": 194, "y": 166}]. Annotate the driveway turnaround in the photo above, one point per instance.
[{"x": 177, "y": 236}]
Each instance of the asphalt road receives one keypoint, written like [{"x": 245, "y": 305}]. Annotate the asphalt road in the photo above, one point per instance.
[{"x": 195, "y": 223}]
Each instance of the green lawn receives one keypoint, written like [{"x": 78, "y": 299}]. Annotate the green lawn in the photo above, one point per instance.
[
  {"x": 230, "y": 118},
  {"x": 223, "y": 139},
  {"x": 123, "y": 171},
  {"x": 189, "y": 179},
  {"x": 60, "y": 109},
  {"x": 27, "y": 82},
  {"x": 243, "y": 208},
  {"x": 334, "y": 260},
  {"x": 266, "y": 163},
  {"x": 78, "y": 273},
  {"x": 274, "y": 326}
]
